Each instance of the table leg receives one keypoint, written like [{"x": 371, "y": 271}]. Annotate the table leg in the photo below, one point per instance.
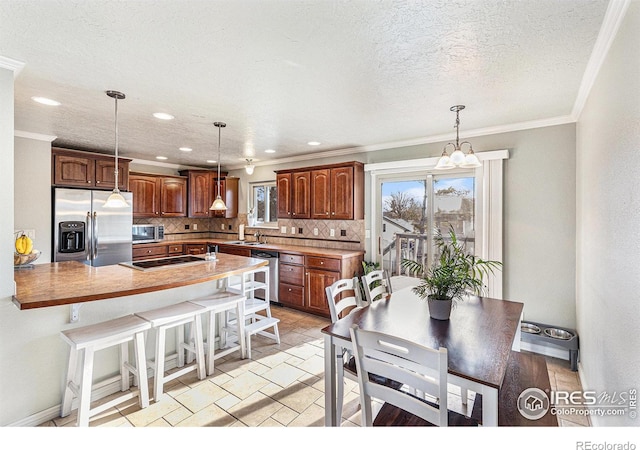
[
  {"x": 330, "y": 374},
  {"x": 489, "y": 407}
]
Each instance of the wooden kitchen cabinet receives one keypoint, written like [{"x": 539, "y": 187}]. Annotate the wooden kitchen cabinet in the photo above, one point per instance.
[
  {"x": 294, "y": 190},
  {"x": 283, "y": 185},
  {"x": 74, "y": 168},
  {"x": 203, "y": 189},
  {"x": 195, "y": 249},
  {"x": 234, "y": 250},
  {"x": 322, "y": 192},
  {"x": 229, "y": 193},
  {"x": 158, "y": 195},
  {"x": 291, "y": 275}
]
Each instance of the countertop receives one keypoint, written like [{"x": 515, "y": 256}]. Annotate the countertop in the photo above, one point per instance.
[
  {"x": 284, "y": 248},
  {"x": 72, "y": 282}
]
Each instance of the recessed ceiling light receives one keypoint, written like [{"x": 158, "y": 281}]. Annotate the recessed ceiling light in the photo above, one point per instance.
[
  {"x": 45, "y": 101},
  {"x": 211, "y": 161},
  {"x": 313, "y": 143},
  {"x": 269, "y": 151},
  {"x": 163, "y": 116},
  {"x": 161, "y": 157},
  {"x": 186, "y": 149}
]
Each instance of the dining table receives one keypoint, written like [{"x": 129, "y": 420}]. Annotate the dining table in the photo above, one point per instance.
[{"x": 479, "y": 337}]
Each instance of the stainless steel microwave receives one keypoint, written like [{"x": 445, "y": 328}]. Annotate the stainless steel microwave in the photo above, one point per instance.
[{"x": 142, "y": 233}]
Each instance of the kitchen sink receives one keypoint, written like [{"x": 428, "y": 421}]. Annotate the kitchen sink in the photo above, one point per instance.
[{"x": 243, "y": 243}]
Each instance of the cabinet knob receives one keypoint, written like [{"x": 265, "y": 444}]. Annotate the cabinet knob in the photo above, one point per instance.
[
  {"x": 327, "y": 213},
  {"x": 148, "y": 251},
  {"x": 294, "y": 214},
  {"x": 289, "y": 289},
  {"x": 88, "y": 181},
  {"x": 333, "y": 213},
  {"x": 162, "y": 213},
  {"x": 321, "y": 262},
  {"x": 98, "y": 182},
  {"x": 156, "y": 213}
]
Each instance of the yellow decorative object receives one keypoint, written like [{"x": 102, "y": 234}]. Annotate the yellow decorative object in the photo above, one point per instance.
[{"x": 24, "y": 244}]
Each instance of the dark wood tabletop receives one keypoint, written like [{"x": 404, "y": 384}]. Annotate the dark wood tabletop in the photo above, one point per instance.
[{"x": 478, "y": 336}]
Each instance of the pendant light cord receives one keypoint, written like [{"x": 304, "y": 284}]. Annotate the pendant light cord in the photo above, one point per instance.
[{"x": 116, "y": 159}]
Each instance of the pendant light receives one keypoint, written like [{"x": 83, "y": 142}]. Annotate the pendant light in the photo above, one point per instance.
[
  {"x": 116, "y": 200},
  {"x": 457, "y": 158},
  {"x": 218, "y": 203},
  {"x": 249, "y": 167}
]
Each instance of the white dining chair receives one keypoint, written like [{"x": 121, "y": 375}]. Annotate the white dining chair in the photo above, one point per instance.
[
  {"x": 417, "y": 368},
  {"x": 376, "y": 285}
]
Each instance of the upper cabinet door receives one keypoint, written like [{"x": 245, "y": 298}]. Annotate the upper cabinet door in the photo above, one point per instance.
[
  {"x": 342, "y": 193},
  {"x": 105, "y": 174},
  {"x": 300, "y": 195},
  {"x": 283, "y": 182},
  {"x": 173, "y": 197},
  {"x": 146, "y": 195},
  {"x": 320, "y": 194},
  {"x": 74, "y": 171},
  {"x": 200, "y": 194}
]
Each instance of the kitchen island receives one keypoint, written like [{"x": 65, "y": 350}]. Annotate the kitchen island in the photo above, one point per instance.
[
  {"x": 72, "y": 282},
  {"x": 31, "y": 323}
]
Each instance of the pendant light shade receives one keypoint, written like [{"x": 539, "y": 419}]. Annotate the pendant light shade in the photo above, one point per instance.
[
  {"x": 116, "y": 200},
  {"x": 218, "y": 203},
  {"x": 249, "y": 167},
  {"x": 458, "y": 158}
]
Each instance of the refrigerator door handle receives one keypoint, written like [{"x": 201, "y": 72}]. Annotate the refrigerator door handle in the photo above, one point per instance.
[
  {"x": 95, "y": 235},
  {"x": 88, "y": 237}
]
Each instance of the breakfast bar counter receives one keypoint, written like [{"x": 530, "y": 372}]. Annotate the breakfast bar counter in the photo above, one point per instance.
[{"x": 72, "y": 282}]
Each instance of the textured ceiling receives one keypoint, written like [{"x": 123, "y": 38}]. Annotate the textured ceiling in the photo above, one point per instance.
[{"x": 349, "y": 74}]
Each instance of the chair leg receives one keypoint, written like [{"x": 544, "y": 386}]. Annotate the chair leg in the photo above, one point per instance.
[
  {"x": 340, "y": 389},
  {"x": 159, "y": 364},
  {"x": 72, "y": 376},
  {"x": 124, "y": 372},
  {"x": 202, "y": 374},
  {"x": 464, "y": 395},
  {"x": 141, "y": 366},
  {"x": 240, "y": 329},
  {"x": 85, "y": 388},
  {"x": 211, "y": 333}
]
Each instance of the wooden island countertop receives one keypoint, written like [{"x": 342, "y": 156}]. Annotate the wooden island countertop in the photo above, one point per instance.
[{"x": 66, "y": 283}]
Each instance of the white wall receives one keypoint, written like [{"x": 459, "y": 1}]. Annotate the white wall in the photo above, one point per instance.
[
  {"x": 6, "y": 225},
  {"x": 32, "y": 200},
  {"x": 608, "y": 222}
]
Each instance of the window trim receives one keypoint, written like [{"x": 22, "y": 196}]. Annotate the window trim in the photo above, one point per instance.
[
  {"x": 250, "y": 200},
  {"x": 489, "y": 207}
]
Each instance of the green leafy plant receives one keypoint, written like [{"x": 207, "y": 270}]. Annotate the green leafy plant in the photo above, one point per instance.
[{"x": 455, "y": 272}]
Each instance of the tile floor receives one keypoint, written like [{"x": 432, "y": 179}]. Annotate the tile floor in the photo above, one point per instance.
[{"x": 282, "y": 386}]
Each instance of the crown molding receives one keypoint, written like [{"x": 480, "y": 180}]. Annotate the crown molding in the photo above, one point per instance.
[
  {"x": 613, "y": 17},
  {"x": 164, "y": 164},
  {"x": 35, "y": 136},
  {"x": 11, "y": 64},
  {"x": 520, "y": 126}
]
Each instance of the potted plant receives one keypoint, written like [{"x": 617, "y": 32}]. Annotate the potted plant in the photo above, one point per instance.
[{"x": 453, "y": 275}]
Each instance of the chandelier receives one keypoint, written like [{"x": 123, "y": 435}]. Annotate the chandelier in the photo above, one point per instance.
[{"x": 457, "y": 158}]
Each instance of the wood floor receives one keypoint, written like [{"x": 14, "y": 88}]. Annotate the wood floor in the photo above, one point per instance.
[{"x": 282, "y": 386}]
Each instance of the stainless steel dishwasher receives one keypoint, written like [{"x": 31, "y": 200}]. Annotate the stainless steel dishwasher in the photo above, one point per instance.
[{"x": 272, "y": 257}]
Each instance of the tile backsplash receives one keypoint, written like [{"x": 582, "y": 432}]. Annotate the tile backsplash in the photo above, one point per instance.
[{"x": 347, "y": 234}]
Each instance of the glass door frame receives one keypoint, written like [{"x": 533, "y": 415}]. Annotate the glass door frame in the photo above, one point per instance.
[
  {"x": 430, "y": 176},
  {"x": 489, "y": 205}
]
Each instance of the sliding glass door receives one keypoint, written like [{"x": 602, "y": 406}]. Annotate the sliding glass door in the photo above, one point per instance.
[{"x": 416, "y": 207}]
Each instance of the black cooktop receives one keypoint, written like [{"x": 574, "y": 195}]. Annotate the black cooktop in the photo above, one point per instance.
[{"x": 162, "y": 262}]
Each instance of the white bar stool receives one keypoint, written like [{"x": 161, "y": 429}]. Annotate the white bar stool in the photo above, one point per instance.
[
  {"x": 162, "y": 319},
  {"x": 258, "y": 323},
  {"x": 222, "y": 302},
  {"x": 85, "y": 342}
]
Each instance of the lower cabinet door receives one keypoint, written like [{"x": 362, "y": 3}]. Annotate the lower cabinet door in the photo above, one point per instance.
[
  {"x": 317, "y": 281},
  {"x": 291, "y": 295}
]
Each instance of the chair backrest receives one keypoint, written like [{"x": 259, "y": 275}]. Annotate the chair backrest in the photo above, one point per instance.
[
  {"x": 341, "y": 295},
  {"x": 406, "y": 362},
  {"x": 376, "y": 285}
]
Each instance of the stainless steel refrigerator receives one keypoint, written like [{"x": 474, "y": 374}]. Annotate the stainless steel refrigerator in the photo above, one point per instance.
[{"x": 84, "y": 230}]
